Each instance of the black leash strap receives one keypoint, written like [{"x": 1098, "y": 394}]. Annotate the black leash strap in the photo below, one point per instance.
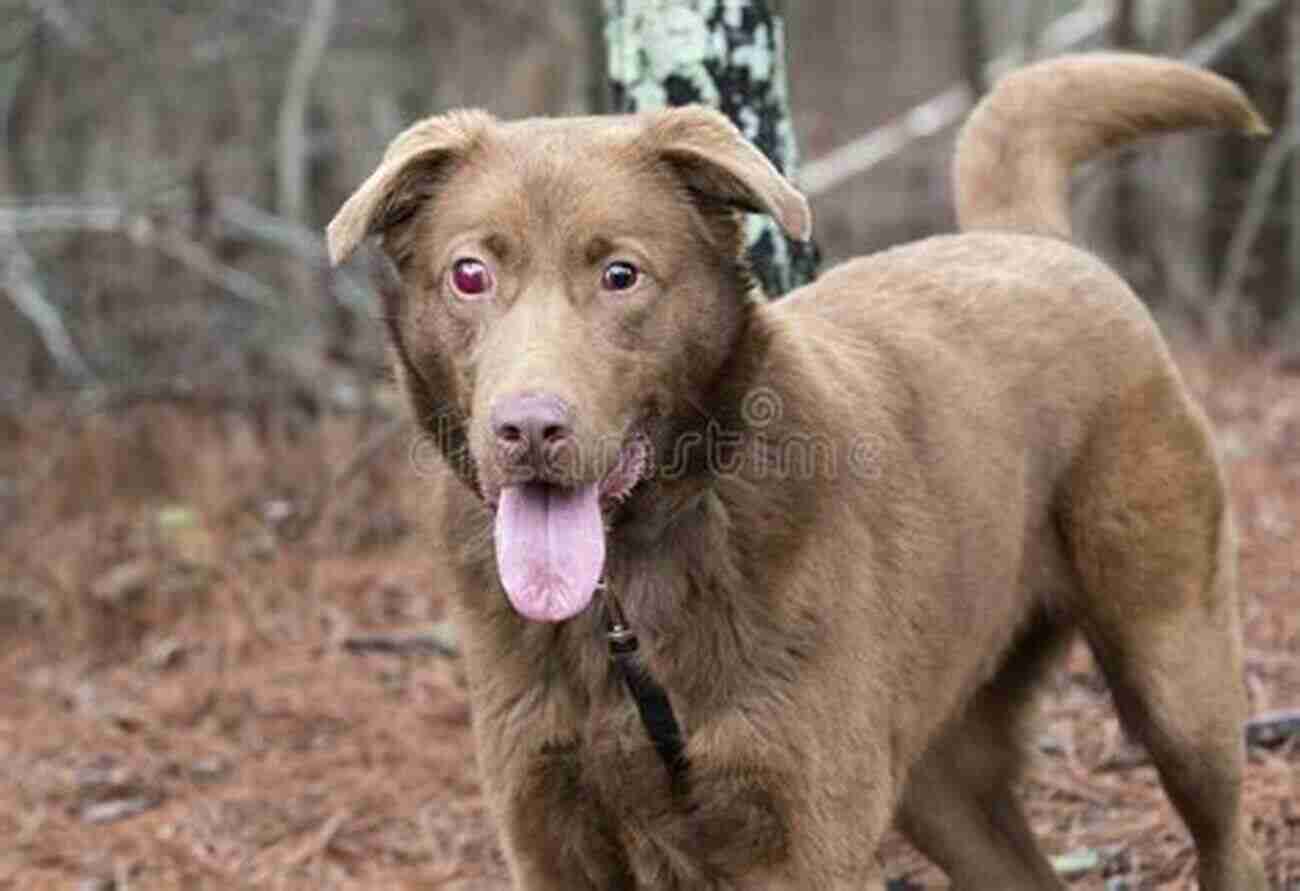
[{"x": 651, "y": 699}]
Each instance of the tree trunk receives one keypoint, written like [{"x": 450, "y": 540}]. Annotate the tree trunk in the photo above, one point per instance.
[
  {"x": 1293, "y": 134},
  {"x": 1188, "y": 235},
  {"x": 1134, "y": 254},
  {"x": 974, "y": 46},
  {"x": 730, "y": 55}
]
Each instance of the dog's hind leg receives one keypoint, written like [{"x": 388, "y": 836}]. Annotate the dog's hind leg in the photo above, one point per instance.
[
  {"x": 960, "y": 808},
  {"x": 973, "y": 830},
  {"x": 1146, "y": 520}
]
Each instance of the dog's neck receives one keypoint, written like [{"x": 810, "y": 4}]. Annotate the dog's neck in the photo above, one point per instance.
[
  {"x": 684, "y": 538},
  {"x": 701, "y": 445}
]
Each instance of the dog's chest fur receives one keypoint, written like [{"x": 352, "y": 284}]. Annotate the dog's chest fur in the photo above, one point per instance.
[{"x": 551, "y": 710}]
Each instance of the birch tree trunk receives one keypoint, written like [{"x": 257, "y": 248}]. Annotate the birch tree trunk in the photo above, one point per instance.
[
  {"x": 292, "y": 125},
  {"x": 729, "y": 54}
]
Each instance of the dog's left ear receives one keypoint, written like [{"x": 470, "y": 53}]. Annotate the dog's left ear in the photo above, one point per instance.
[{"x": 717, "y": 160}]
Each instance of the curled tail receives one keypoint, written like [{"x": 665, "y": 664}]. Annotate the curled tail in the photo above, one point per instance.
[{"x": 1018, "y": 148}]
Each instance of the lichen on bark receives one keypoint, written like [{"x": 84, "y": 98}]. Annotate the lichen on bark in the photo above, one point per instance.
[{"x": 729, "y": 54}]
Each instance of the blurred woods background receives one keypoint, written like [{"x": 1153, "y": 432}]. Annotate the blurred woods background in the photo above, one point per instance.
[
  {"x": 209, "y": 497},
  {"x": 168, "y": 167}
]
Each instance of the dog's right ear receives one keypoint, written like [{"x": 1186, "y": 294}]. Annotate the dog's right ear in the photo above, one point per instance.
[{"x": 413, "y": 165}]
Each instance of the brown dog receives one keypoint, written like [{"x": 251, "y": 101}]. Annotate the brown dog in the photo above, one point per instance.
[{"x": 852, "y": 527}]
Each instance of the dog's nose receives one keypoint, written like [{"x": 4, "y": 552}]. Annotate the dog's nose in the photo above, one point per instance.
[{"x": 531, "y": 426}]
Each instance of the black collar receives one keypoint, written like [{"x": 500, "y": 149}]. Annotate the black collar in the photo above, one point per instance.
[{"x": 651, "y": 698}]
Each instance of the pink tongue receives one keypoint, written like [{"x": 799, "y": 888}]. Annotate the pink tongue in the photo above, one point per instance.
[{"x": 550, "y": 548}]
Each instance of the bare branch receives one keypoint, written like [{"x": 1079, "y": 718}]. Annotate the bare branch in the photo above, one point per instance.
[
  {"x": 1031, "y": 14},
  {"x": 1208, "y": 49},
  {"x": 57, "y": 16},
  {"x": 974, "y": 46},
  {"x": 51, "y": 214},
  {"x": 1262, "y": 189},
  {"x": 947, "y": 108},
  {"x": 110, "y": 217},
  {"x": 1123, "y": 26},
  {"x": 64, "y": 215},
  {"x": 289, "y": 235},
  {"x": 883, "y": 143},
  {"x": 940, "y": 111},
  {"x": 235, "y": 282},
  {"x": 19, "y": 280},
  {"x": 293, "y": 111},
  {"x": 1267, "y": 178}
]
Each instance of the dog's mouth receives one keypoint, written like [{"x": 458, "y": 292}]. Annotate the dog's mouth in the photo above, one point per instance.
[{"x": 550, "y": 538}]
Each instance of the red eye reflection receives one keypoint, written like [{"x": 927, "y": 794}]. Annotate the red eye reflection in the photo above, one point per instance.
[
  {"x": 619, "y": 276},
  {"x": 470, "y": 278}
]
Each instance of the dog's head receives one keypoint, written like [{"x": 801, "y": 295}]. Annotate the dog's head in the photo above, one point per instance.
[{"x": 570, "y": 291}]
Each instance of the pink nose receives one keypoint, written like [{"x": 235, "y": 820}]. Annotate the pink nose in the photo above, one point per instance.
[{"x": 530, "y": 426}]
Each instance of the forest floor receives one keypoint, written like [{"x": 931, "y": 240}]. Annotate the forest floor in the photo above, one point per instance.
[{"x": 180, "y": 706}]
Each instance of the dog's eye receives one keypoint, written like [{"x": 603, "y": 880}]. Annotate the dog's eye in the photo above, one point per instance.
[
  {"x": 619, "y": 276},
  {"x": 471, "y": 278}
]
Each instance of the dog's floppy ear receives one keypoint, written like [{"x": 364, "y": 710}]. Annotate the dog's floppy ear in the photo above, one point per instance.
[
  {"x": 406, "y": 177},
  {"x": 718, "y": 161}
]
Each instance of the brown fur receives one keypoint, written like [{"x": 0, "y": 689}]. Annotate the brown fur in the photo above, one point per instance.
[{"x": 980, "y": 445}]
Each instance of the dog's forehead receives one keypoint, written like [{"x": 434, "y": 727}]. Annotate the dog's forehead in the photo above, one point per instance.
[
  {"x": 572, "y": 176},
  {"x": 540, "y": 138}
]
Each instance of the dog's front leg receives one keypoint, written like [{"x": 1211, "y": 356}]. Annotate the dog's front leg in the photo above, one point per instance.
[
  {"x": 737, "y": 821},
  {"x": 750, "y": 816},
  {"x": 557, "y": 834},
  {"x": 729, "y": 830}
]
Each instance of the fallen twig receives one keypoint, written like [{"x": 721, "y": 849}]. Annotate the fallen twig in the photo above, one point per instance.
[
  {"x": 435, "y": 643},
  {"x": 1273, "y": 729},
  {"x": 179, "y": 391}
]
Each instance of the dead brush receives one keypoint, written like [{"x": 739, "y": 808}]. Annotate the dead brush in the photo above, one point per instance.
[{"x": 121, "y": 525}]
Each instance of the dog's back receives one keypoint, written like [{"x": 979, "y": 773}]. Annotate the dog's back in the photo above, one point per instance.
[
  {"x": 1011, "y": 305},
  {"x": 1008, "y": 329},
  {"x": 1051, "y": 448}
]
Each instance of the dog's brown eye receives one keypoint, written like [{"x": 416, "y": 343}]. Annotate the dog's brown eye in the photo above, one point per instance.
[
  {"x": 619, "y": 276},
  {"x": 471, "y": 278}
]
